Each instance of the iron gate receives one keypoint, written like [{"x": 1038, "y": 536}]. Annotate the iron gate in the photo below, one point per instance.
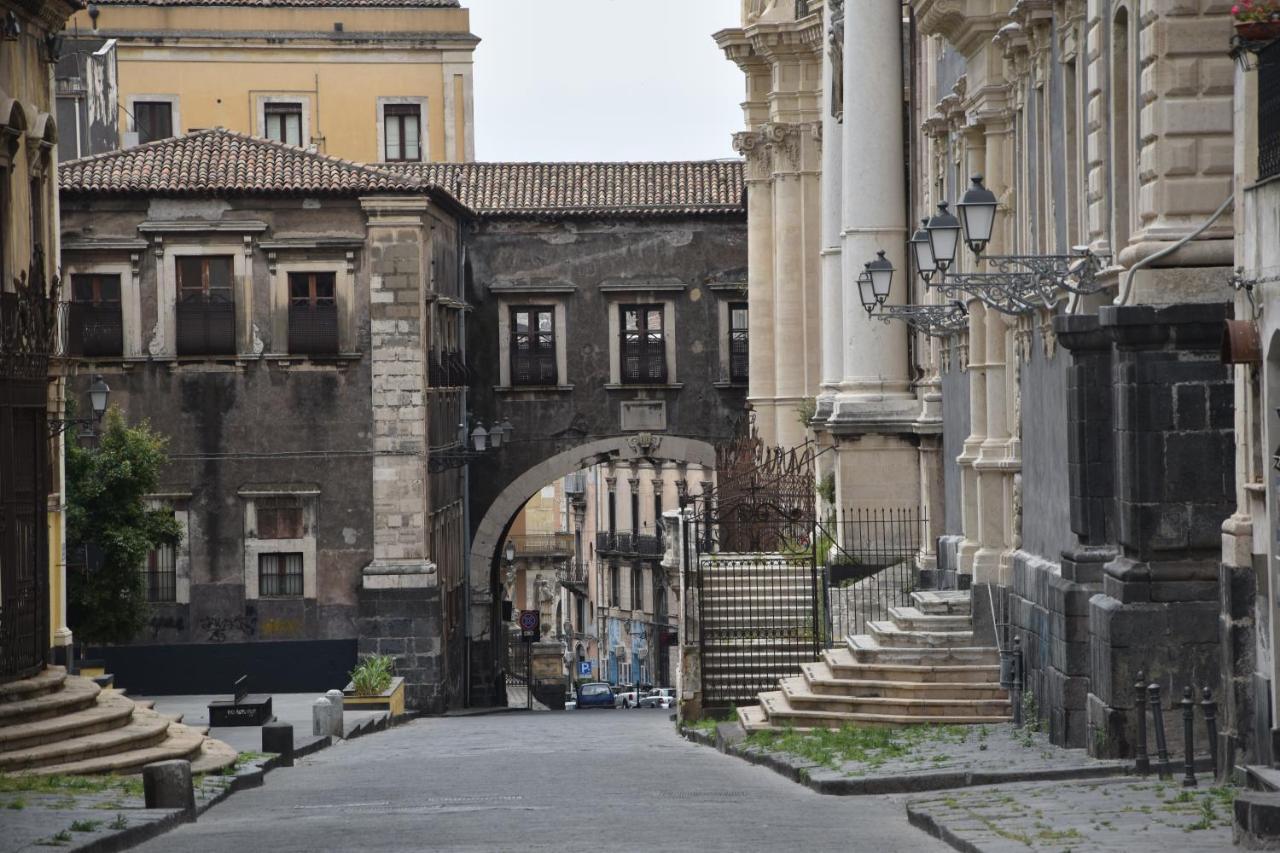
[{"x": 872, "y": 564}]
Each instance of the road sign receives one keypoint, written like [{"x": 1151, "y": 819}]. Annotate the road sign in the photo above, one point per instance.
[
  {"x": 529, "y": 621},
  {"x": 584, "y": 667}
]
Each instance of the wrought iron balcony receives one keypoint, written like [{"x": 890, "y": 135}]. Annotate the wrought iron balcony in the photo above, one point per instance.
[
  {"x": 573, "y": 576},
  {"x": 543, "y": 544},
  {"x": 626, "y": 543}
]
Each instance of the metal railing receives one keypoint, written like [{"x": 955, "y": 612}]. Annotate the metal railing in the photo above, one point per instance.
[
  {"x": 625, "y": 542},
  {"x": 871, "y": 565},
  {"x": 573, "y": 575},
  {"x": 1269, "y": 111},
  {"x": 543, "y": 544}
]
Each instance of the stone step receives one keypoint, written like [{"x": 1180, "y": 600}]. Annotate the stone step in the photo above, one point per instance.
[
  {"x": 889, "y": 634},
  {"x": 109, "y": 712},
  {"x": 867, "y": 650},
  {"x": 144, "y": 729},
  {"x": 753, "y": 719},
  {"x": 213, "y": 755},
  {"x": 845, "y": 665},
  {"x": 781, "y": 714},
  {"x": 76, "y": 694},
  {"x": 935, "y": 602},
  {"x": 177, "y": 742},
  {"x": 912, "y": 619},
  {"x": 821, "y": 680},
  {"x": 48, "y": 680},
  {"x": 801, "y": 698}
]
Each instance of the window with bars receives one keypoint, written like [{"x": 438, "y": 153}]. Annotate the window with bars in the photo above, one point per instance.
[
  {"x": 533, "y": 346},
  {"x": 615, "y": 586},
  {"x": 206, "y": 306},
  {"x": 637, "y": 587},
  {"x": 402, "y": 132},
  {"x": 153, "y": 120},
  {"x": 96, "y": 327},
  {"x": 738, "y": 342},
  {"x": 279, "y": 518},
  {"x": 283, "y": 122},
  {"x": 644, "y": 350},
  {"x": 161, "y": 574},
  {"x": 313, "y": 313},
  {"x": 1269, "y": 111},
  {"x": 280, "y": 575}
]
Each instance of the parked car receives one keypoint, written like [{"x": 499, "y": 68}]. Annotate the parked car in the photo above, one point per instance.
[
  {"x": 626, "y": 699},
  {"x": 659, "y": 697},
  {"x": 595, "y": 694}
]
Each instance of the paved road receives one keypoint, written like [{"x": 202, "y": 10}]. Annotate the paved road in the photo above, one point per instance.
[{"x": 579, "y": 781}]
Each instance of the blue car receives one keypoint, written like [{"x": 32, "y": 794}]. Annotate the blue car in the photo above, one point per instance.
[{"x": 595, "y": 694}]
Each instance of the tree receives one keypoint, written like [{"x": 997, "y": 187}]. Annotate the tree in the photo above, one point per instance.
[{"x": 106, "y": 509}]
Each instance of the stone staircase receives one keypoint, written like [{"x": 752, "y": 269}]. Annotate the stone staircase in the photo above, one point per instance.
[
  {"x": 920, "y": 667},
  {"x": 55, "y": 723}
]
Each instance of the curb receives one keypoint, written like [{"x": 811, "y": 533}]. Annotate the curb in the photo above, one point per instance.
[
  {"x": 729, "y": 743},
  {"x": 925, "y": 822}
]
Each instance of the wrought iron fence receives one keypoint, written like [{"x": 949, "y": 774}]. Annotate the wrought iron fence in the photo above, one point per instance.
[
  {"x": 1269, "y": 111},
  {"x": 624, "y": 542},
  {"x": 871, "y": 557},
  {"x": 543, "y": 544}
]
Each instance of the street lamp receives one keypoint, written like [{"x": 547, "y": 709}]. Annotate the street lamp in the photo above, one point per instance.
[
  {"x": 510, "y": 553},
  {"x": 866, "y": 291},
  {"x": 922, "y": 251},
  {"x": 978, "y": 215},
  {"x": 99, "y": 395},
  {"x": 944, "y": 236},
  {"x": 495, "y": 436},
  {"x": 881, "y": 270},
  {"x": 480, "y": 438}
]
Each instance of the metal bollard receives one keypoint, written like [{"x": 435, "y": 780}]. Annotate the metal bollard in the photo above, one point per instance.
[
  {"x": 1141, "y": 763},
  {"x": 1210, "y": 709},
  {"x": 1188, "y": 739},
  {"x": 1157, "y": 720}
]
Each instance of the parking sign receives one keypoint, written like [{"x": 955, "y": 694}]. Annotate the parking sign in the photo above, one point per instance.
[{"x": 584, "y": 667}]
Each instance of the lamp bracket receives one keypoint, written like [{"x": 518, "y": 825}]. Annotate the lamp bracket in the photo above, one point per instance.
[
  {"x": 1009, "y": 293},
  {"x": 935, "y": 320}
]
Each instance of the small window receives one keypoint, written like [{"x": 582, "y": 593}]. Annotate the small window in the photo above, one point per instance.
[
  {"x": 283, "y": 122},
  {"x": 615, "y": 587},
  {"x": 279, "y": 518},
  {"x": 313, "y": 313},
  {"x": 279, "y": 575},
  {"x": 95, "y": 327},
  {"x": 206, "y": 306},
  {"x": 637, "y": 587},
  {"x": 153, "y": 120},
  {"x": 161, "y": 574},
  {"x": 644, "y": 351},
  {"x": 37, "y": 213},
  {"x": 533, "y": 346},
  {"x": 402, "y": 130},
  {"x": 738, "y": 342}
]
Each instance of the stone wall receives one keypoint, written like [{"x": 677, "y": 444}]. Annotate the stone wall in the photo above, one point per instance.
[
  {"x": 955, "y": 429},
  {"x": 400, "y": 616}
]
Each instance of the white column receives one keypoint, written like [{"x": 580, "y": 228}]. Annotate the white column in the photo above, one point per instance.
[
  {"x": 833, "y": 284},
  {"x": 761, "y": 387},
  {"x": 875, "y": 375}
]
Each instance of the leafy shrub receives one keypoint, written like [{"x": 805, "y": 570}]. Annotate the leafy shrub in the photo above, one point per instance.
[{"x": 373, "y": 675}]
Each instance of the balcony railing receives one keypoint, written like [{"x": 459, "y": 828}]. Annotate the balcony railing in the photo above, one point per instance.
[
  {"x": 313, "y": 329},
  {"x": 628, "y": 543},
  {"x": 1269, "y": 112},
  {"x": 543, "y": 544},
  {"x": 573, "y": 575}
]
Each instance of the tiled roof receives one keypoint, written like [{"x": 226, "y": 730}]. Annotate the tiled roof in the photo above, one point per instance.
[
  {"x": 590, "y": 189},
  {"x": 337, "y": 4},
  {"x": 219, "y": 162}
]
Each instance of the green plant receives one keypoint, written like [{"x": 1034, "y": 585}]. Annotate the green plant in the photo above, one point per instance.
[
  {"x": 806, "y": 409},
  {"x": 372, "y": 675},
  {"x": 85, "y": 825},
  {"x": 119, "y": 823},
  {"x": 1256, "y": 11},
  {"x": 826, "y": 488},
  {"x": 107, "y": 508},
  {"x": 16, "y": 805}
]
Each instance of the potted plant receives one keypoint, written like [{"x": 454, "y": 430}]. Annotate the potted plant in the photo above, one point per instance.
[
  {"x": 374, "y": 687},
  {"x": 1257, "y": 20}
]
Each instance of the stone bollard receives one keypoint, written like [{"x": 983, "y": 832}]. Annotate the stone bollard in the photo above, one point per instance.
[
  {"x": 335, "y": 698},
  {"x": 277, "y": 737},
  {"x": 321, "y": 711},
  {"x": 167, "y": 785}
]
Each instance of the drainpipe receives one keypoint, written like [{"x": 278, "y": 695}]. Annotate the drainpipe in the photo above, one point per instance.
[{"x": 1126, "y": 287}]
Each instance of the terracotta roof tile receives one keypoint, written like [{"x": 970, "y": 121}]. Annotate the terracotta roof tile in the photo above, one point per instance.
[
  {"x": 216, "y": 162},
  {"x": 590, "y": 189}
]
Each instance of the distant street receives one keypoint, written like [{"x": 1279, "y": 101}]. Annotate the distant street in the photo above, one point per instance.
[{"x": 573, "y": 781}]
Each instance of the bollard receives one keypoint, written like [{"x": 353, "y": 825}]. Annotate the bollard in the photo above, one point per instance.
[
  {"x": 1188, "y": 739},
  {"x": 1017, "y": 682},
  {"x": 320, "y": 711},
  {"x": 1210, "y": 709},
  {"x": 335, "y": 698},
  {"x": 277, "y": 737},
  {"x": 167, "y": 785},
  {"x": 1141, "y": 763},
  {"x": 1157, "y": 720}
]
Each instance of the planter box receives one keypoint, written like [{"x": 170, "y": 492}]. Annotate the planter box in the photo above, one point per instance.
[
  {"x": 1258, "y": 30},
  {"x": 391, "y": 699}
]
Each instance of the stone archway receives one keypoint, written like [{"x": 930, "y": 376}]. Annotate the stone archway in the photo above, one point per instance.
[{"x": 502, "y": 510}]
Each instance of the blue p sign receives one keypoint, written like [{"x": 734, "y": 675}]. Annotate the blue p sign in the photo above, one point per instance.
[{"x": 584, "y": 667}]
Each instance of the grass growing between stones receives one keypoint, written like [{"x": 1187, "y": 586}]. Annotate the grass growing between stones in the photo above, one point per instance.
[
  {"x": 30, "y": 783},
  {"x": 872, "y": 747}
]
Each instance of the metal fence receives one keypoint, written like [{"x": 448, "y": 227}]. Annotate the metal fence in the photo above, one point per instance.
[
  {"x": 871, "y": 558},
  {"x": 1269, "y": 112}
]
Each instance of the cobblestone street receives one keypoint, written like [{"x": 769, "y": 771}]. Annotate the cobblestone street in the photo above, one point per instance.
[{"x": 584, "y": 780}]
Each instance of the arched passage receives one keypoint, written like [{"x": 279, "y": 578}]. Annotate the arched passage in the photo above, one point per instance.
[{"x": 497, "y": 517}]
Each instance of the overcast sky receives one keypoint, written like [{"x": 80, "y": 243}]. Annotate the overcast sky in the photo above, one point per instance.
[{"x": 604, "y": 79}]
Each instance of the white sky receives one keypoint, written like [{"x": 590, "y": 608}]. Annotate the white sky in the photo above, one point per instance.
[{"x": 604, "y": 79}]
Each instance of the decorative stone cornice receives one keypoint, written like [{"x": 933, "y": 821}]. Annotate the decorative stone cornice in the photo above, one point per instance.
[{"x": 967, "y": 24}]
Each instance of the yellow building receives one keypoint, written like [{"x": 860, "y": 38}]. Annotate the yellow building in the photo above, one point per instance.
[
  {"x": 32, "y": 562},
  {"x": 367, "y": 80}
]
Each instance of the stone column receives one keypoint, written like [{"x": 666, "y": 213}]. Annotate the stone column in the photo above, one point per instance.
[
  {"x": 761, "y": 387},
  {"x": 833, "y": 279},
  {"x": 1174, "y": 483},
  {"x": 976, "y": 366},
  {"x": 790, "y": 258},
  {"x": 401, "y": 582}
]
